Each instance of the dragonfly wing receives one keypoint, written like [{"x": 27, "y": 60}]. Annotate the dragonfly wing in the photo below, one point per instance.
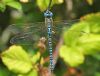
[
  {"x": 28, "y": 33},
  {"x": 26, "y": 27},
  {"x": 59, "y": 25},
  {"x": 24, "y": 38}
]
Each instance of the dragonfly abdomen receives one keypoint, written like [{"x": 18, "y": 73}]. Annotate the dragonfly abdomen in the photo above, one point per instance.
[
  {"x": 50, "y": 46},
  {"x": 48, "y": 22}
]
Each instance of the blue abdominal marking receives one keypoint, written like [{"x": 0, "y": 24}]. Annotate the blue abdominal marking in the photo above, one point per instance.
[{"x": 48, "y": 22}]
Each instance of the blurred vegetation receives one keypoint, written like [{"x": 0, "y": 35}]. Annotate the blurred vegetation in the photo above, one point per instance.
[{"x": 79, "y": 53}]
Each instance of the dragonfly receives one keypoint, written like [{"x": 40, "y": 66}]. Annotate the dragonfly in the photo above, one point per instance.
[{"x": 29, "y": 33}]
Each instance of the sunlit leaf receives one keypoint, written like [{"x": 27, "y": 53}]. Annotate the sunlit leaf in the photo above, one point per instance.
[
  {"x": 42, "y": 61},
  {"x": 71, "y": 56},
  {"x": 90, "y": 2},
  {"x": 93, "y": 21},
  {"x": 17, "y": 60},
  {"x": 24, "y": 1},
  {"x": 57, "y": 1},
  {"x": 15, "y": 5},
  {"x": 31, "y": 73},
  {"x": 72, "y": 35},
  {"x": 81, "y": 39},
  {"x": 90, "y": 43},
  {"x": 7, "y": 1},
  {"x": 90, "y": 38},
  {"x": 43, "y": 4},
  {"x": 36, "y": 57}
]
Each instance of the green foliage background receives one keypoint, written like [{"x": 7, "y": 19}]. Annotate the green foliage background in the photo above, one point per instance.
[{"x": 79, "y": 55}]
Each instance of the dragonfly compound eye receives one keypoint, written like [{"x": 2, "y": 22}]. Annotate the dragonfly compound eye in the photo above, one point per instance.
[{"x": 48, "y": 14}]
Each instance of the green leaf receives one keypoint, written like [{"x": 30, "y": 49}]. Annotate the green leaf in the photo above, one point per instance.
[
  {"x": 36, "y": 57},
  {"x": 7, "y": 1},
  {"x": 15, "y": 5},
  {"x": 90, "y": 2},
  {"x": 97, "y": 56},
  {"x": 2, "y": 6},
  {"x": 81, "y": 39},
  {"x": 71, "y": 56},
  {"x": 84, "y": 34},
  {"x": 17, "y": 60},
  {"x": 57, "y": 1},
  {"x": 90, "y": 38},
  {"x": 97, "y": 74},
  {"x": 32, "y": 73},
  {"x": 43, "y": 4},
  {"x": 4, "y": 71},
  {"x": 90, "y": 43},
  {"x": 72, "y": 35},
  {"x": 11, "y": 3},
  {"x": 93, "y": 21}
]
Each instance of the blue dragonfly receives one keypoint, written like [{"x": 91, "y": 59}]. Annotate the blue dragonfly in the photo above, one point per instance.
[{"x": 30, "y": 33}]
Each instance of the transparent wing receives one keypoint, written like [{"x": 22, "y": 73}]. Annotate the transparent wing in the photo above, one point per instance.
[
  {"x": 58, "y": 26},
  {"x": 27, "y": 34},
  {"x": 30, "y": 33},
  {"x": 23, "y": 38}
]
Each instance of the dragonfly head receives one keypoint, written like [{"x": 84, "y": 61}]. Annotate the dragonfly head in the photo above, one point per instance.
[{"x": 48, "y": 14}]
